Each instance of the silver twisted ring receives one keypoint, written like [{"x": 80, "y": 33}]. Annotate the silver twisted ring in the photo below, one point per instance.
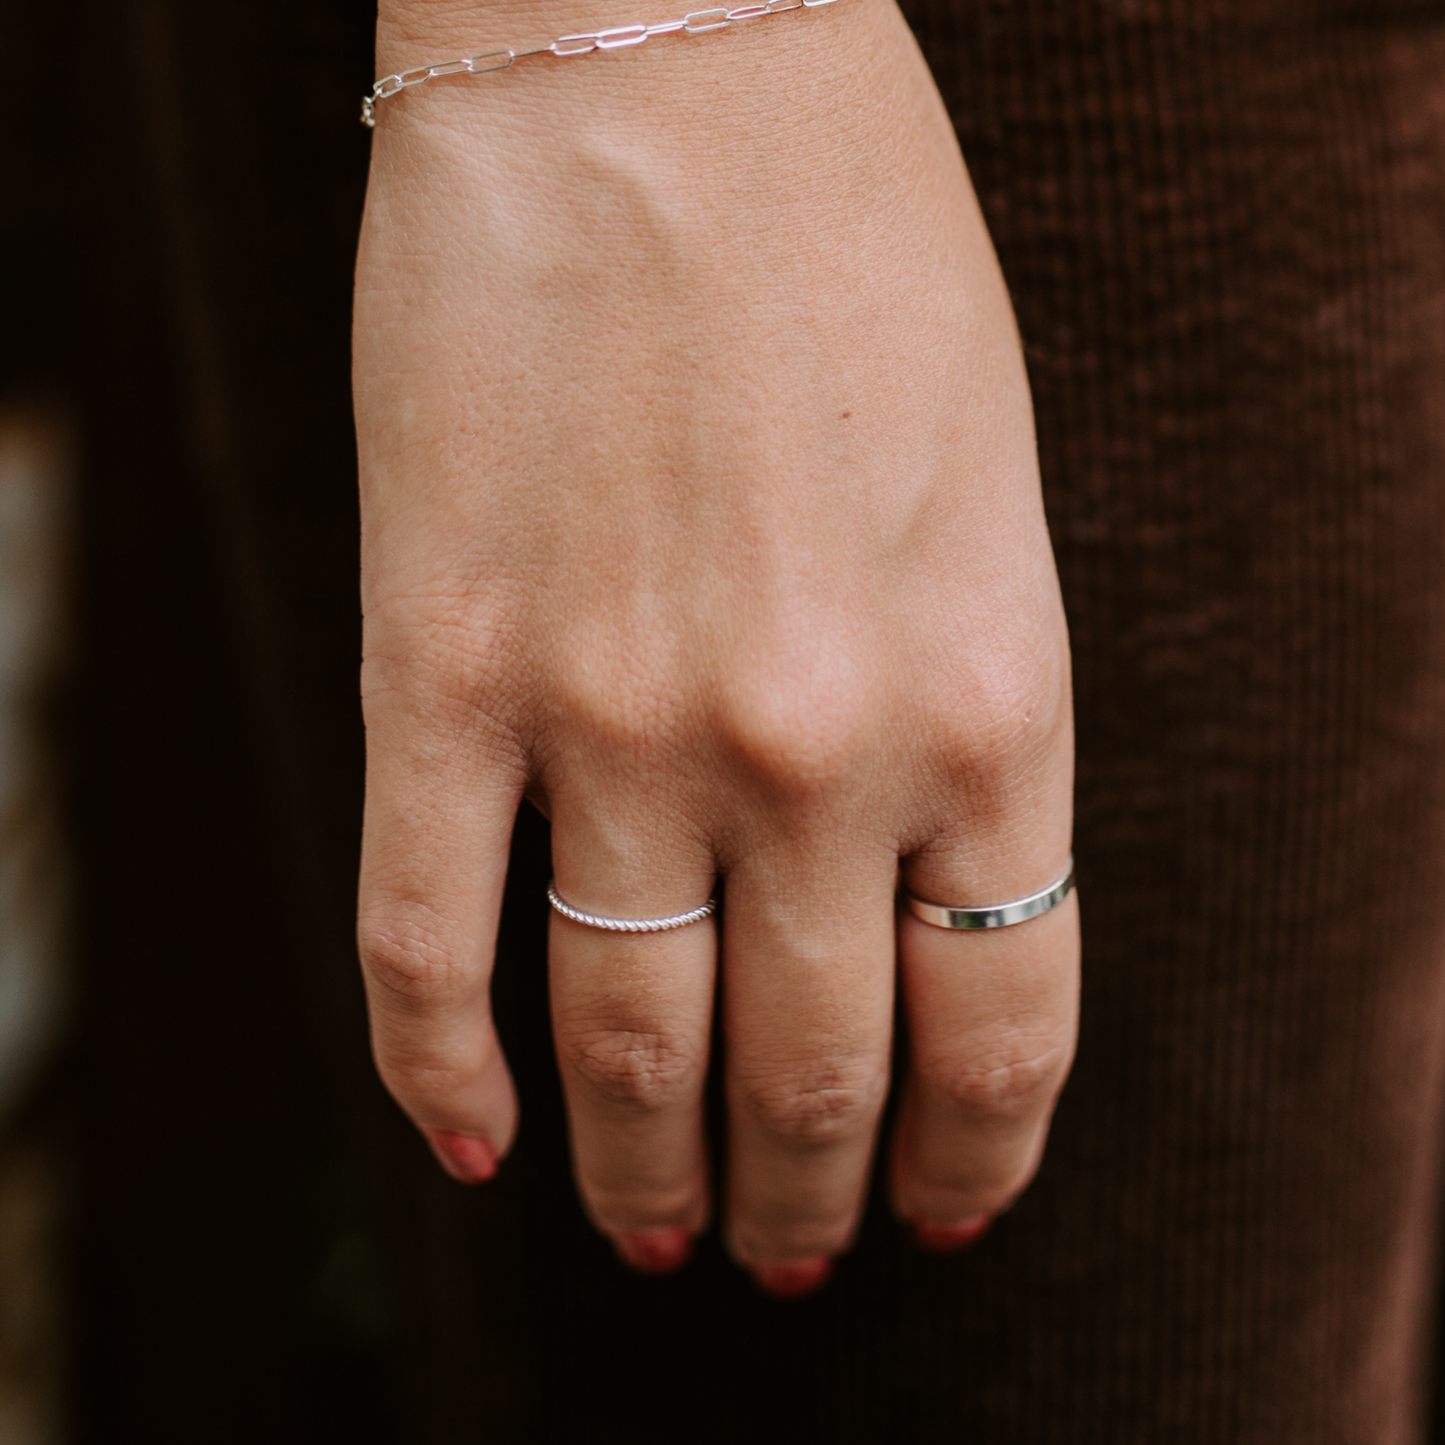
[
  {"x": 995, "y": 915},
  {"x": 629, "y": 925}
]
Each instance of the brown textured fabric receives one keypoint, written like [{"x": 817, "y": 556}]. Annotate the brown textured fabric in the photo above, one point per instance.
[
  {"x": 1224, "y": 229},
  {"x": 1223, "y": 225}
]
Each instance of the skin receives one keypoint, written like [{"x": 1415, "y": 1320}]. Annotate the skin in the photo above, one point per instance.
[{"x": 701, "y": 508}]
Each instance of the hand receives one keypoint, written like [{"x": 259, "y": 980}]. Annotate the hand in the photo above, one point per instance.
[{"x": 700, "y": 506}]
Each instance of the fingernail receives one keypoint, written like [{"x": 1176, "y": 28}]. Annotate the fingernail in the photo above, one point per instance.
[
  {"x": 654, "y": 1251},
  {"x": 468, "y": 1159},
  {"x": 945, "y": 1238},
  {"x": 788, "y": 1281}
]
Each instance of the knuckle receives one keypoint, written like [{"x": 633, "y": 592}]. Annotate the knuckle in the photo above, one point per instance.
[
  {"x": 429, "y": 1071},
  {"x": 1013, "y": 712},
  {"x": 440, "y": 658},
  {"x": 406, "y": 957},
  {"x": 641, "y": 1206},
  {"x": 420, "y": 1079},
  {"x": 998, "y": 741},
  {"x": 798, "y": 733},
  {"x": 816, "y": 1106},
  {"x": 631, "y": 1068},
  {"x": 618, "y": 691},
  {"x": 1016, "y": 1085},
  {"x": 416, "y": 981}
]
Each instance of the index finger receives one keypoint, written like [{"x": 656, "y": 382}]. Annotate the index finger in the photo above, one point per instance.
[{"x": 440, "y": 807}]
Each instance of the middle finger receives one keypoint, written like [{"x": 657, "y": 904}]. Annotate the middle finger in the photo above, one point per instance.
[{"x": 808, "y": 959}]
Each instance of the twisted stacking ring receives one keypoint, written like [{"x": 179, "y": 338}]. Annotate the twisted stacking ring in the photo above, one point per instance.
[{"x": 629, "y": 925}]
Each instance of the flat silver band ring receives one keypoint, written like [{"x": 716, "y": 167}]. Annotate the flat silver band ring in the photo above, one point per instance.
[
  {"x": 629, "y": 925},
  {"x": 995, "y": 915}
]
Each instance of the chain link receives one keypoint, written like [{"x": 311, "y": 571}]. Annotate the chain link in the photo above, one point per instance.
[{"x": 618, "y": 37}]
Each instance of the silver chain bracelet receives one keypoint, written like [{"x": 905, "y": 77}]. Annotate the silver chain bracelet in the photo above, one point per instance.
[{"x": 619, "y": 37}]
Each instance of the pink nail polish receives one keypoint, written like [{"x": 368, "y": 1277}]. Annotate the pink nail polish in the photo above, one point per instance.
[
  {"x": 789, "y": 1281},
  {"x": 468, "y": 1159},
  {"x": 654, "y": 1251},
  {"x": 945, "y": 1238}
]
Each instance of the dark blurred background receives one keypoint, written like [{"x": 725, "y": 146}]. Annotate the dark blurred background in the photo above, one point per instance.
[{"x": 188, "y": 1237}]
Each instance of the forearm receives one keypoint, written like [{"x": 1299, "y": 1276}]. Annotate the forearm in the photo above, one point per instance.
[{"x": 529, "y": 24}]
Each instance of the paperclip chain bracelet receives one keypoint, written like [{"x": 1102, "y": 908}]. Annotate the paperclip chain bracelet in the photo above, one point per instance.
[{"x": 619, "y": 37}]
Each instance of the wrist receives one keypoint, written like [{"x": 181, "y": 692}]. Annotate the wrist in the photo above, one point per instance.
[
  {"x": 416, "y": 33},
  {"x": 442, "y": 27}
]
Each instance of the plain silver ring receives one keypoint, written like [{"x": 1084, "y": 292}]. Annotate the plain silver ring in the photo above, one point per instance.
[
  {"x": 629, "y": 925},
  {"x": 995, "y": 915}
]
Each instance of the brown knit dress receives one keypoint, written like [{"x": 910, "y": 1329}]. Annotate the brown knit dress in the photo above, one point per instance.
[{"x": 1223, "y": 225}]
